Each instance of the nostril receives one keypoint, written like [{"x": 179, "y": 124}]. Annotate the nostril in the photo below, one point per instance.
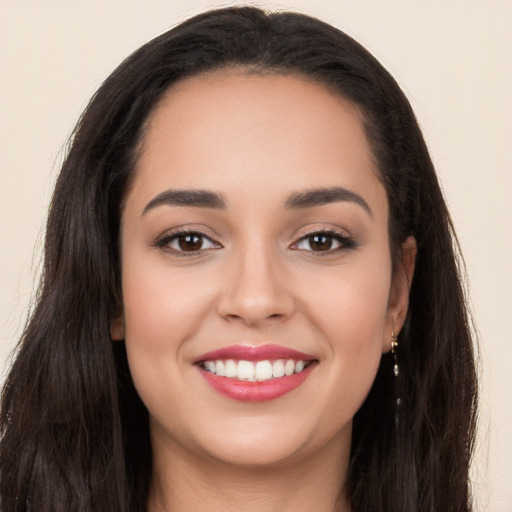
[{"x": 253, "y": 302}]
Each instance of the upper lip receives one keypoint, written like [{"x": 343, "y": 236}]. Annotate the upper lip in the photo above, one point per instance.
[{"x": 253, "y": 353}]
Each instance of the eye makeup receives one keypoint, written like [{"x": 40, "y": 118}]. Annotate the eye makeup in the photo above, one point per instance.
[
  {"x": 318, "y": 241},
  {"x": 324, "y": 242},
  {"x": 185, "y": 242}
]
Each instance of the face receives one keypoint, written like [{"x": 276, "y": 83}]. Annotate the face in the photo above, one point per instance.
[{"x": 258, "y": 287}]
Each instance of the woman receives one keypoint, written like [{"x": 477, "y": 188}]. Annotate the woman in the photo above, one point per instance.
[{"x": 251, "y": 297}]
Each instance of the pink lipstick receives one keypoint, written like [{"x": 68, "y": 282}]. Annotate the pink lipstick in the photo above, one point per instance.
[
  {"x": 255, "y": 373},
  {"x": 254, "y": 353}
]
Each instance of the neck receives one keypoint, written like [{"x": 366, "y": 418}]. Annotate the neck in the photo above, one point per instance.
[{"x": 184, "y": 483}]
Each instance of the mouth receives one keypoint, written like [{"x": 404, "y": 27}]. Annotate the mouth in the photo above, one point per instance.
[
  {"x": 255, "y": 371},
  {"x": 255, "y": 374}
]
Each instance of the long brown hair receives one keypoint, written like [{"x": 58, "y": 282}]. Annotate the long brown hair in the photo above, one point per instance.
[{"x": 75, "y": 434}]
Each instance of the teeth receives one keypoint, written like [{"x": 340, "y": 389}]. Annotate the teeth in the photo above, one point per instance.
[
  {"x": 221, "y": 369},
  {"x": 278, "y": 369},
  {"x": 263, "y": 370},
  {"x": 289, "y": 367},
  {"x": 254, "y": 371},
  {"x": 231, "y": 369},
  {"x": 245, "y": 370}
]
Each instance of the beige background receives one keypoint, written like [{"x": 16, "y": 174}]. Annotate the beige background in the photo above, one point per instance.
[{"x": 454, "y": 60}]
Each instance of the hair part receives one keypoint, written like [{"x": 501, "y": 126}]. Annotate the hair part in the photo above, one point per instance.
[{"x": 75, "y": 434}]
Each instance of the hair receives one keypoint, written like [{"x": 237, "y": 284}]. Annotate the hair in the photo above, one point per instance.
[{"x": 74, "y": 433}]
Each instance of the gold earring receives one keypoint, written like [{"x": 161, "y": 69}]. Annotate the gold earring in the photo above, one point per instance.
[{"x": 394, "y": 346}]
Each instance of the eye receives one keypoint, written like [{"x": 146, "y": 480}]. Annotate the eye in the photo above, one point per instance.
[
  {"x": 187, "y": 242},
  {"x": 323, "y": 242}
]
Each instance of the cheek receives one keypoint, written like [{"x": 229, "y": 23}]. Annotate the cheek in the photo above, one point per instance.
[
  {"x": 161, "y": 307},
  {"x": 351, "y": 305},
  {"x": 162, "y": 311},
  {"x": 350, "y": 310}
]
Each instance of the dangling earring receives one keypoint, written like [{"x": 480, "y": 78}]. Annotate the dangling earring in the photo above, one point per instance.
[
  {"x": 394, "y": 346},
  {"x": 396, "y": 371}
]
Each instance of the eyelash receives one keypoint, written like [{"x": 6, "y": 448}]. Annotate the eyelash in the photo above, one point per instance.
[
  {"x": 346, "y": 243},
  {"x": 165, "y": 241}
]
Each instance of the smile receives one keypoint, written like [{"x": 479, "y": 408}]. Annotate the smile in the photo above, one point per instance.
[
  {"x": 255, "y": 374},
  {"x": 259, "y": 371}
]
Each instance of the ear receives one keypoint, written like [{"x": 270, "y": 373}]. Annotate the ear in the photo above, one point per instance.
[
  {"x": 117, "y": 328},
  {"x": 401, "y": 280}
]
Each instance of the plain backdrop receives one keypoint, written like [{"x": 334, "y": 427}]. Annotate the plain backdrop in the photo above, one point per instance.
[{"x": 453, "y": 59}]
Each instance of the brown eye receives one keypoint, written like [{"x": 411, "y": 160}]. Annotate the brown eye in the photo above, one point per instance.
[
  {"x": 324, "y": 242},
  {"x": 191, "y": 242},
  {"x": 187, "y": 242},
  {"x": 320, "y": 242}
]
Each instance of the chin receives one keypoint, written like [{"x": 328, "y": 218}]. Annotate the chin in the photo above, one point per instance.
[{"x": 262, "y": 443}]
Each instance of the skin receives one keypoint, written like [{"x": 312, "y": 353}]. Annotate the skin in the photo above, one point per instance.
[{"x": 256, "y": 140}]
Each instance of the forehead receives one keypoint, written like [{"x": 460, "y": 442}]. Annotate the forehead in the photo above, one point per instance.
[{"x": 273, "y": 132}]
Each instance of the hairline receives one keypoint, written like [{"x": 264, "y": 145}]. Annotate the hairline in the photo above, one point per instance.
[{"x": 262, "y": 70}]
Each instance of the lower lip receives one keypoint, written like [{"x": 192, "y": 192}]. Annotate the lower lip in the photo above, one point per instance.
[{"x": 264, "y": 391}]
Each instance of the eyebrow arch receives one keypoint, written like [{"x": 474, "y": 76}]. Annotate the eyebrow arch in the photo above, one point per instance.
[
  {"x": 193, "y": 198},
  {"x": 321, "y": 196}
]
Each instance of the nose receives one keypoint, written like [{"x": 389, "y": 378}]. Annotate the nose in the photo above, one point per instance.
[{"x": 256, "y": 290}]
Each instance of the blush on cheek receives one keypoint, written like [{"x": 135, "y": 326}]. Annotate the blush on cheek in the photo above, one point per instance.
[{"x": 152, "y": 308}]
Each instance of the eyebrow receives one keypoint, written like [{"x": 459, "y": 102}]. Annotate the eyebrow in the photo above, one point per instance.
[
  {"x": 321, "y": 196},
  {"x": 298, "y": 200},
  {"x": 193, "y": 198}
]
